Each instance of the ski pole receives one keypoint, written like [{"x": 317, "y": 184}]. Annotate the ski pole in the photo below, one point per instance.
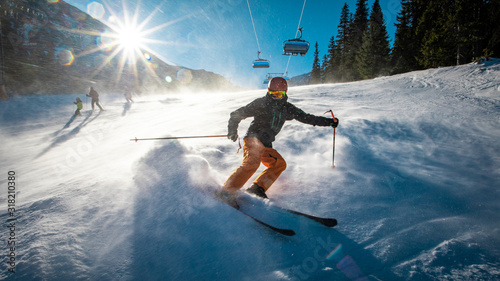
[
  {"x": 176, "y": 138},
  {"x": 333, "y": 154}
]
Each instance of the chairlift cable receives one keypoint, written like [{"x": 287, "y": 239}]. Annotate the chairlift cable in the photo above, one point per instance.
[
  {"x": 288, "y": 63},
  {"x": 253, "y": 24},
  {"x": 300, "y": 19},
  {"x": 298, "y": 27},
  {"x": 259, "y": 63}
]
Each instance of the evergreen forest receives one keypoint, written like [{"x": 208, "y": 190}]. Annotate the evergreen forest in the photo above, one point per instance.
[{"x": 429, "y": 34}]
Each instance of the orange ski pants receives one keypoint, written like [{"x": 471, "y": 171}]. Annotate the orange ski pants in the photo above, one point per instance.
[{"x": 254, "y": 152}]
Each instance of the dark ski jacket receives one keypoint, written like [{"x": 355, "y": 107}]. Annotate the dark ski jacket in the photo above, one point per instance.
[
  {"x": 93, "y": 94},
  {"x": 270, "y": 116}
]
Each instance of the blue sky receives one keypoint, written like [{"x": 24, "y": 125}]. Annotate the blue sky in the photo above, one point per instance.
[{"x": 218, "y": 35}]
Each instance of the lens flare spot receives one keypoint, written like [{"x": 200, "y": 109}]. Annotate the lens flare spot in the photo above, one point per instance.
[
  {"x": 335, "y": 253},
  {"x": 64, "y": 56},
  {"x": 168, "y": 79},
  {"x": 152, "y": 65},
  {"x": 184, "y": 76},
  {"x": 147, "y": 56},
  {"x": 105, "y": 41},
  {"x": 113, "y": 19},
  {"x": 96, "y": 10},
  {"x": 351, "y": 269}
]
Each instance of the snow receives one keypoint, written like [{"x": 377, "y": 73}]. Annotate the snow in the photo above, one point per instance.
[{"x": 415, "y": 188}]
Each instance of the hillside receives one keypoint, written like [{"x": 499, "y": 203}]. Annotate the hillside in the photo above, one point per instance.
[
  {"x": 415, "y": 189},
  {"x": 52, "y": 47}
]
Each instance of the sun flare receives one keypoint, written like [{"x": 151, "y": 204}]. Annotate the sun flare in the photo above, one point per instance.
[{"x": 130, "y": 38}]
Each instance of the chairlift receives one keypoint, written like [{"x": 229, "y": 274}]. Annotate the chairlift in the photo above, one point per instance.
[
  {"x": 295, "y": 46},
  {"x": 272, "y": 75},
  {"x": 260, "y": 63}
]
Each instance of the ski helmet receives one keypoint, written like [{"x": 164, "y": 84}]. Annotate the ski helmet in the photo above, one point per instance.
[{"x": 277, "y": 84}]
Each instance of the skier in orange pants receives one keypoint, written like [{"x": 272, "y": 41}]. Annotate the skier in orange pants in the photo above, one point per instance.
[
  {"x": 255, "y": 153},
  {"x": 270, "y": 113}
]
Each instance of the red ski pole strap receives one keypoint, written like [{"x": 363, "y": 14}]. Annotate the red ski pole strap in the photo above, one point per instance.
[{"x": 331, "y": 113}]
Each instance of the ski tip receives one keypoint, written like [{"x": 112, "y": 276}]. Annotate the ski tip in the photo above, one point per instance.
[
  {"x": 329, "y": 222},
  {"x": 287, "y": 232}
]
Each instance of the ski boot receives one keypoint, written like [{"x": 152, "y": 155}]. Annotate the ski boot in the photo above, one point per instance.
[
  {"x": 257, "y": 190},
  {"x": 227, "y": 197}
]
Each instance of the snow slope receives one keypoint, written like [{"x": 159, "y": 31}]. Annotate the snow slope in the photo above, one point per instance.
[{"x": 416, "y": 189}]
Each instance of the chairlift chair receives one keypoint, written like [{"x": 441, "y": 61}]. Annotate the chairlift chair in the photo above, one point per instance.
[
  {"x": 295, "y": 46},
  {"x": 268, "y": 78},
  {"x": 272, "y": 75},
  {"x": 260, "y": 63}
]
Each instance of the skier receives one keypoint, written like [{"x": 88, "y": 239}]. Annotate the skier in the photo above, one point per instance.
[
  {"x": 128, "y": 96},
  {"x": 79, "y": 106},
  {"x": 95, "y": 98},
  {"x": 270, "y": 113}
]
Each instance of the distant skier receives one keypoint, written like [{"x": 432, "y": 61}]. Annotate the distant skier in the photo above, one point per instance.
[
  {"x": 79, "y": 106},
  {"x": 270, "y": 113},
  {"x": 128, "y": 96},
  {"x": 95, "y": 98}
]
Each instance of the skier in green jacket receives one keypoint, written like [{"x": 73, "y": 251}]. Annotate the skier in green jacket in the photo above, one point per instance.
[{"x": 79, "y": 106}]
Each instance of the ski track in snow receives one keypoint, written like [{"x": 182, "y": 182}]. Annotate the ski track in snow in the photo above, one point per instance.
[{"x": 415, "y": 190}]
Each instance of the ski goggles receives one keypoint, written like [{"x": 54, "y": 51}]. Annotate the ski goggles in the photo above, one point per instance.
[{"x": 277, "y": 94}]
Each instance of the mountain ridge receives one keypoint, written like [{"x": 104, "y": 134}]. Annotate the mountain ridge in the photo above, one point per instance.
[{"x": 53, "y": 48}]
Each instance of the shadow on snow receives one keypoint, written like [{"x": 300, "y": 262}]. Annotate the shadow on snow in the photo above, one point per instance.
[
  {"x": 69, "y": 135},
  {"x": 182, "y": 233}
]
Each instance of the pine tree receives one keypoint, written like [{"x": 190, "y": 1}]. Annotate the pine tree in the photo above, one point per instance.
[
  {"x": 358, "y": 29},
  {"x": 440, "y": 33},
  {"x": 316, "y": 69},
  {"x": 324, "y": 64},
  {"x": 332, "y": 62},
  {"x": 406, "y": 47},
  {"x": 492, "y": 28},
  {"x": 438, "y": 43},
  {"x": 344, "y": 56},
  {"x": 469, "y": 22},
  {"x": 373, "y": 58}
]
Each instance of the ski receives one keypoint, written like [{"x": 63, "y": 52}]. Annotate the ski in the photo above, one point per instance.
[
  {"x": 324, "y": 221},
  {"x": 284, "y": 231},
  {"x": 330, "y": 222}
]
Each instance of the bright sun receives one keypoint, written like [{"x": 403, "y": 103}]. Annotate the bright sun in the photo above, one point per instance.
[
  {"x": 127, "y": 39},
  {"x": 130, "y": 38}
]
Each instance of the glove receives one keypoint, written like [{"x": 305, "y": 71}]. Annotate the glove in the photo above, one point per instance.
[
  {"x": 335, "y": 123},
  {"x": 232, "y": 136}
]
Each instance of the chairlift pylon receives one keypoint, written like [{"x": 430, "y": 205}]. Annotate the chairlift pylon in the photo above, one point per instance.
[
  {"x": 260, "y": 63},
  {"x": 295, "y": 46}
]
